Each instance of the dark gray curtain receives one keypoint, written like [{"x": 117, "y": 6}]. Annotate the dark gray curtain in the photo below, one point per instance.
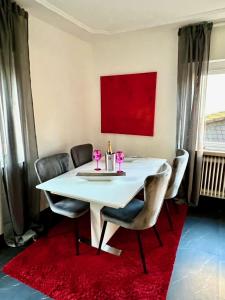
[
  {"x": 193, "y": 58},
  {"x": 17, "y": 131}
]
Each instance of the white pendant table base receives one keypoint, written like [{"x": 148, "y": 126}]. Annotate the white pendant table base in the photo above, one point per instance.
[{"x": 96, "y": 229}]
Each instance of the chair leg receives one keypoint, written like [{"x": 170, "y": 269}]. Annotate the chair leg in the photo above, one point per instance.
[
  {"x": 102, "y": 237},
  {"x": 168, "y": 215},
  {"x": 77, "y": 235},
  {"x": 141, "y": 251},
  {"x": 157, "y": 235}
]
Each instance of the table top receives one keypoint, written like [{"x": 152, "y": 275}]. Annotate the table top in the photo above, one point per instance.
[{"x": 113, "y": 191}]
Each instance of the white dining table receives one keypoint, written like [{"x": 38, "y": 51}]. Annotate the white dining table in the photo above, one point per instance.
[{"x": 100, "y": 191}]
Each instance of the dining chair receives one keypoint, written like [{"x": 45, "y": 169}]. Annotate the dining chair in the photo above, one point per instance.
[
  {"x": 53, "y": 166},
  {"x": 81, "y": 154},
  {"x": 139, "y": 215},
  {"x": 178, "y": 169}
]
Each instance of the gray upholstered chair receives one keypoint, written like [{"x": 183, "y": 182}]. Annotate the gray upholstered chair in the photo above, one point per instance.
[
  {"x": 137, "y": 214},
  {"x": 50, "y": 167},
  {"x": 81, "y": 154},
  {"x": 178, "y": 168}
]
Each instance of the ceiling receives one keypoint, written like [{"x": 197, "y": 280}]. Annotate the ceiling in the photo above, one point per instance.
[{"x": 116, "y": 16}]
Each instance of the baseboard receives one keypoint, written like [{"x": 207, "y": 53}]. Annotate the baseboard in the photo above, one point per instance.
[{"x": 210, "y": 203}]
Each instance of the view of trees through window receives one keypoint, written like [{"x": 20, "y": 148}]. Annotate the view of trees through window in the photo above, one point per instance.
[{"x": 214, "y": 138}]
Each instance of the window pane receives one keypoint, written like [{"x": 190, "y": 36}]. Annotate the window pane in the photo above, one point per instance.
[{"x": 215, "y": 112}]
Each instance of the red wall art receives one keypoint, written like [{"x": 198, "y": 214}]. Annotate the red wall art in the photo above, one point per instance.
[{"x": 128, "y": 103}]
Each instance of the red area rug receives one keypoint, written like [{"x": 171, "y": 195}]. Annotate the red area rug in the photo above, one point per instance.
[{"x": 50, "y": 265}]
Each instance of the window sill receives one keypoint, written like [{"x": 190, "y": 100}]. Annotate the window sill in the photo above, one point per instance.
[{"x": 208, "y": 152}]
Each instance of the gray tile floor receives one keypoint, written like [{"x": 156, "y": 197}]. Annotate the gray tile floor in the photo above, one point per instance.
[
  {"x": 199, "y": 271},
  {"x": 11, "y": 289}
]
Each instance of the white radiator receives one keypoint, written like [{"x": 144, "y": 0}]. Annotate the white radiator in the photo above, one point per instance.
[{"x": 213, "y": 175}]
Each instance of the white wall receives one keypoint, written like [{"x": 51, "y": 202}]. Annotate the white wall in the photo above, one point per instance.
[
  {"x": 217, "y": 50},
  {"x": 66, "y": 87},
  {"x": 61, "y": 75},
  {"x": 143, "y": 51},
  {"x": 61, "y": 78},
  {"x": 147, "y": 50}
]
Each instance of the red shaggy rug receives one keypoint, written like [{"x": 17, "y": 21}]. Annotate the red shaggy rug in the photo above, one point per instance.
[{"x": 51, "y": 266}]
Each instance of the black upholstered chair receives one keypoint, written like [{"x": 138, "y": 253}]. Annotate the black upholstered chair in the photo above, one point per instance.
[
  {"x": 137, "y": 214},
  {"x": 81, "y": 154},
  {"x": 50, "y": 167},
  {"x": 178, "y": 168}
]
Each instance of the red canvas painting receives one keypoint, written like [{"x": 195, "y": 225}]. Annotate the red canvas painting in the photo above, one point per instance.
[{"x": 128, "y": 103}]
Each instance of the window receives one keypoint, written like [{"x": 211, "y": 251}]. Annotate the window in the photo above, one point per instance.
[{"x": 214, "y": 138}]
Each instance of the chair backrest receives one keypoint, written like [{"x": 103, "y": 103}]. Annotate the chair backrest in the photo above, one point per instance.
[
  {"x": 81, "y": 154},
  {"x": 50, "y": 167},
  {"x": 178, "y": 169},
  {"x": 155, "y": 187}
]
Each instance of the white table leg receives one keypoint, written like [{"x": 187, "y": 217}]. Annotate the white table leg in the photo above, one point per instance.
[{"x": 96, "y": 229}]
